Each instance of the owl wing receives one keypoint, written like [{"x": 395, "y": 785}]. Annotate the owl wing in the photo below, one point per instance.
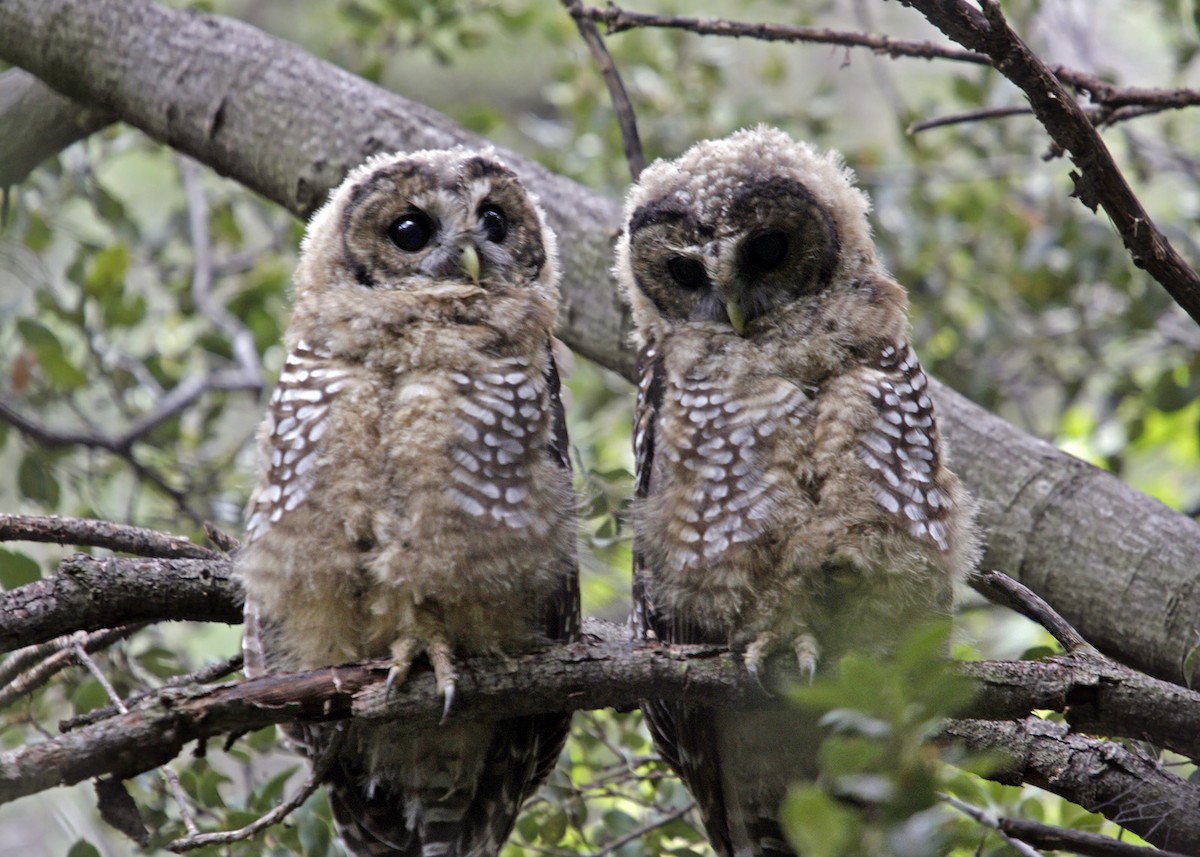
[
  {"x": 525, "y": 749},
  {"x": 289, "y": 444},
  {"x": 902, "y": 448},
  {"x": 685, "y": 735}
]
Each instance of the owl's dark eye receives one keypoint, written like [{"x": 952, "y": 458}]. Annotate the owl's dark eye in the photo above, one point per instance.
[
  {"x": 765, "y": 252},
  {"x": 687, "y": 272},
  {"x": 495, "y": 224},
  {"x": 411, "y": 231}
]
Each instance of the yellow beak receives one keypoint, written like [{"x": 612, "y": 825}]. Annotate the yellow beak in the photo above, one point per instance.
[
  {"x": 737, "y": 317},
  {"x": 469, "y": 256}
]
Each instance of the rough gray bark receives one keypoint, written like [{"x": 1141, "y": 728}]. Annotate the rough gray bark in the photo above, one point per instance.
[
  {"x": 1050, "y": 756},
  {"x": 1116, "y": 564},
  {"x": 589, "y": 674},
  {"x": 42, "y": 123},
  {"x": 90, "y": 593}
]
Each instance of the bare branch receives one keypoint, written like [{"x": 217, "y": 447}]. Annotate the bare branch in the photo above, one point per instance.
[
  {"x": 1100, "y": 776},
  {"x": 1099, "y": 182},
  {"x": 1004, "y": 590},
  {"x": 102, "y": 534},
  {"x": 89, "y": 593},
  {"x": 626, "y": 118},
  {"x": 618, "y": 20},
  {"x": 316, "y": 775},
  {"x": 25, "y": 671},
  {"x": 48, "y": 122},
  {"x": 989, "y": 820}
]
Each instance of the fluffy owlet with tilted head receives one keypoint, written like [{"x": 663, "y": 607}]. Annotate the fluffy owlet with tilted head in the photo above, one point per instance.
[
  {"x": 791, "y": 488},
  {"x": 416, "y": 499}
]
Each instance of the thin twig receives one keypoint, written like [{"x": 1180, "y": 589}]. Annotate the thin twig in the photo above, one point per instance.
[
  {"x": 1038, "y": 835},
  {"x": 315, "y": 777},
  {"x": 626, "y": 117},
  {"x": 18, "y": 678},
  {"x": 208, "y": 674},
  {"x": 621, "y": 841},
  {"x": 618, "y": 20},
  {"x": 999, "y": 586},
  {"x": 94, "y": 533},
  {"x": 967, "y": 116},
  {"x": 988, "y": 820}
]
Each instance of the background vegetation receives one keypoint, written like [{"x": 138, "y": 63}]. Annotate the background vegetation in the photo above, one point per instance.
[{"x": 128, "y": 272}]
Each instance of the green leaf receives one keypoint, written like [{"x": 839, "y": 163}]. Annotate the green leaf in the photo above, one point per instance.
[
  {"x": 51, "y": 356},
  {"x": 83, "y": 848},
  {"x": 816, "y": 824},
  {"x": 16, "y": 569},
  {"x": 37, "y": 482},
  {"x": 37, "y": 234},
  {"x": 105, "y": 278}
]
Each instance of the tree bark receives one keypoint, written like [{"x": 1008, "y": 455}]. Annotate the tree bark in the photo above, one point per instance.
[
  {"x": 607, "y": 670},
  {"x": 1117, "y": 564}
]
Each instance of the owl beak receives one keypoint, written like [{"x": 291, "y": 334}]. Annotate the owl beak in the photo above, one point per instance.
[
  {"x": 469, "y": 257},
  {"x": 737, "y": 316}
]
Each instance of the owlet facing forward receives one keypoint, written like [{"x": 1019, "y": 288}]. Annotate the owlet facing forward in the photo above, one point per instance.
[
  {"x": 791, "y": 490},
  {"x": 416, "y": 497}
]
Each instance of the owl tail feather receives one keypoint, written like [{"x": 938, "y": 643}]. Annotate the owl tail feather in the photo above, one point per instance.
[{"x": 382, "y": 822}]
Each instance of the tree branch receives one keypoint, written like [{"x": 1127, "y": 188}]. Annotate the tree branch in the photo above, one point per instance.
[
  {"x": 1099, "y": 182},
  {"x": 289, "y": 126},
  {"x": 1100, "y": 776},
  {"x": 590, "y": 674},
  {"x": 89, "y": 593},
  {"x": 101, "y": 534},
  {"x": 39, "y": 123}
]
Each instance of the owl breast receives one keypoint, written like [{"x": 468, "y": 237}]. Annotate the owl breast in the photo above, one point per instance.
[
  {"x": 499, "y": 426},
  {"x": 737, "y": 454}
]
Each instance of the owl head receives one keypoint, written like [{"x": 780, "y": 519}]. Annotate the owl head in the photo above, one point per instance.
[
  {"x": 737, "y": 231},
  {"x": 426, "y": 220}
]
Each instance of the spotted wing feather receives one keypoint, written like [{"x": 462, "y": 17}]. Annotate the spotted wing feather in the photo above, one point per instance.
[{"x": 902, "y": 447}]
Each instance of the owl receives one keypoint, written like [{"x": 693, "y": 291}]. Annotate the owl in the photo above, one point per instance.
[
  {"x": 416, "y": 498},
  {"x": 791, "y": 492}
]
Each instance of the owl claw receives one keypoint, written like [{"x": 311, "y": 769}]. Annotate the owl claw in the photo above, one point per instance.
[{"x": 803, "y": 645}]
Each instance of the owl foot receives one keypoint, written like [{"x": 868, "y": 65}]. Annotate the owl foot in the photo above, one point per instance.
[
  {"x": 803, "y": 645},
  {"x": 405, "y": 651}
]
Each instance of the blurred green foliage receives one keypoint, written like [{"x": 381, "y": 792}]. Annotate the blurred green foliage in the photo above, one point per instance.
[{"x": 1022, "y": 299}]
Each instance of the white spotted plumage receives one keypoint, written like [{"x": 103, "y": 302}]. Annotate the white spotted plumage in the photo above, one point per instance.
[
  {"x": 792, "y": 493},
  {"x": 416, "y": 498}
]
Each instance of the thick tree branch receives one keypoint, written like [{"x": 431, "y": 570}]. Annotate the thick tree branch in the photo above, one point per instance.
[
  {"x": 89, "y": 593},
  {"x": 1100, "y": 776},
  {"x": 289, "y": 126},
  {"x": 100, "y": 534},
  {"x": 1097, "y": 695},
  {"x": 590, "y": 674},
  {"x": 48, "y": 123}
]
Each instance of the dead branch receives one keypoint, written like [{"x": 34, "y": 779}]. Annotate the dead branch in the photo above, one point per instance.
[
  {"x": 626, "y": 117},
  {"x": 89, "y": 593},
  {"x": 1099, "y": 183},
  {"x": 1100, "y": 776},
  {"x": 101, "y": 534}
]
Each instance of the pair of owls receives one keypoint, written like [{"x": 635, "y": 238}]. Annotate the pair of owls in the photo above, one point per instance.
[{"x": 417, "y": 499}]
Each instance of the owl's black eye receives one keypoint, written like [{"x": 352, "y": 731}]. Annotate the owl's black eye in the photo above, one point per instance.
[
  {"x": 411, "y": 231},
  {"x": 765, "y": 252},
  {"x": 687, "y": 272},
  {"x": 495, "y": 224}
]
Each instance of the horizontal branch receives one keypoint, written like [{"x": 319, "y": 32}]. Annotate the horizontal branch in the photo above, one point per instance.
[
  {"x": 289, "y": 126},
  {"x": 591, "y": 674},
  {"x": 101, "y": 534},
  {"x": 1099, "y": 776},
  {"x": 89, "y": 593}
]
